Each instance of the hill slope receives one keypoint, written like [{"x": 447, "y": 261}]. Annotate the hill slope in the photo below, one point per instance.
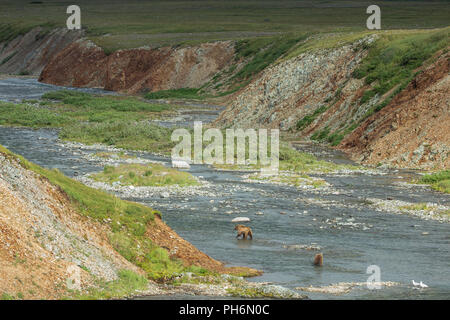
[{"x": 413, "y": 129}]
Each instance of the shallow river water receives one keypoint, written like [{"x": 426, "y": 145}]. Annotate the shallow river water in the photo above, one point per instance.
[{"x": 393, "y": 242}]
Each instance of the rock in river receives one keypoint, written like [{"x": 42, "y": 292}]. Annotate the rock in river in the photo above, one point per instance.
[
  {"x": 241, "y": 219},
  {"x": 180, "y": 164}
]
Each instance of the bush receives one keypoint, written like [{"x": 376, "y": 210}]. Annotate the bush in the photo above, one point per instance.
[
  {"x": 439, "y": 181},
  {"x": 308, "y": 119}
]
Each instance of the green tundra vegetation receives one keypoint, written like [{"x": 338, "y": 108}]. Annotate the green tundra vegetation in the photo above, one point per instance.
[
  {"x": 291, "y": 162},
  {"x": 128, "y": 283},
  {"x": 89, "y": 119},
  {"x": 113, "y": 155},
  {"x": 114, "y": 24},
  {"x": 439, "y": 181},
  {"x": 114, "y": 120},
  {"x": 393, "y": 59},
  {"x": 183, "y": 93},
  {"x": 391, "y": 64},
  {"x": 61, "y": 108},
  {"x": 144, "y": 175}
]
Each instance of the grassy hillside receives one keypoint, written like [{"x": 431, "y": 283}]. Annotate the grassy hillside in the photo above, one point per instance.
[
  {"x": 137, "y": 23},
  {"x": 393, "y": 59},
  {"x": 128, "y": 221},
  {"x": 392, "y": 62}
]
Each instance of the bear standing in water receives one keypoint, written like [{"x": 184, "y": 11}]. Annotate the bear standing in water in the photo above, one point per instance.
[{"x": 243, "y": 231}]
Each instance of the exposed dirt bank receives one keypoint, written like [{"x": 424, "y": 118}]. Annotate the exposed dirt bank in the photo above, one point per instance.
[
  {"x": 412, "y": 130},
  {"x": 42, "y": 235},
  {"x": 29, "y": 53},
  {"x": 83, "y": 64},
  {"x": 289, "y": 90}
]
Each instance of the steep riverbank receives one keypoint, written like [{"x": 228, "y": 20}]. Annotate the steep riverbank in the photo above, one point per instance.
[
  {"x": 29, "y": 53},
  {"x": 136, "y": 70},
  {"x": 381, "y": 97},
  {"x": 412, "y": 130}
]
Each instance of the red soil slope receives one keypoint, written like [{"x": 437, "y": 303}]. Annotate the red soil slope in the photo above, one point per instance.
[{"x": 413, "y": 129}]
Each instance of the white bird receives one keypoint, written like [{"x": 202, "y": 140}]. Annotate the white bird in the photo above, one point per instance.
[{"x": 419, "y": 284}]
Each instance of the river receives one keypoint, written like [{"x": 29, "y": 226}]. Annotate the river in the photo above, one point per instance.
[{"x": 404, "y": 247}]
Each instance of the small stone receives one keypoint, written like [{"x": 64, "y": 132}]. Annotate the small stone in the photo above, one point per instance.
[{"x": 241, "y": 219}]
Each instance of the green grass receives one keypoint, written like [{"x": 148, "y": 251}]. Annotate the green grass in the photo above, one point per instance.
[
  {"x": 125, "y": 134},
  {"x": 393, "y": 59},
  {"x": 89, "y": 102},
  {"x": 158, "y": 23},
  {"x": 308, "y": 119},
  {"x": 445, "y": 213},
  {"x": 144, "y": 175},
  {"x": 66, "y": 108},
  {"x": 416, "y": 206},
  {"x": 330, "y": 40},
  {"x": 259, "y": 52},
  {"x": 86, "y": 118},
  {"x": 255, "y": 292},
  {"x": 439, "y": 181},
  {"x": 262, "y": 53},
  {"x": 391, "y": 64},
  {"x": 30, "y": 116},
  {"x": 183, "y": 93},
  {"x": 6, "y": 296},
  {"x": 112, "y": 155},
  {"x": 295, "y": 161},
  {"x": 127, "y": 284},
  {"x": 295, "y": 180},
  {"x": 10, "y": 31}
]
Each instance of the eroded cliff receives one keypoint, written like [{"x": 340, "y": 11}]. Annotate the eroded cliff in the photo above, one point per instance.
[
  {"x": 28, "y": 53},
  {"x": 83, "y": 64},
  {"x": 292, "y": 89},
  {"x": 413, "y": 129}
]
